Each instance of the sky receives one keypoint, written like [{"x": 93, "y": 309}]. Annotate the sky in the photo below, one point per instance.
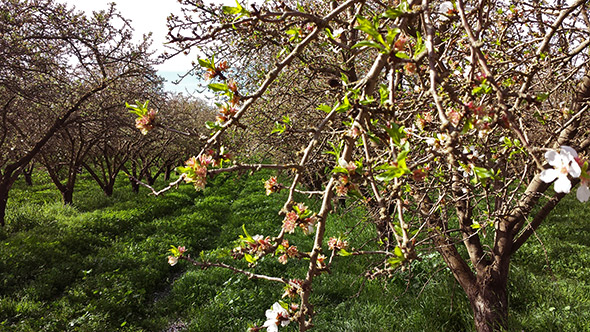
[{"x": 150, "y": 16}]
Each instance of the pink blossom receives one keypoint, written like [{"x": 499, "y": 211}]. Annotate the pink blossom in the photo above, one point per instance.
[
  {"x": 290, "y": 222},
  {"x": 283, "y": 259}
]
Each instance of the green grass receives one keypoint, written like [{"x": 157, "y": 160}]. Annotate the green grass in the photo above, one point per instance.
[{"x": 100, "y": 265}]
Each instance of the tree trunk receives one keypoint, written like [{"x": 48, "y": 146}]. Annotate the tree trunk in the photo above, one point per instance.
[
  {"x": 6, "y": 181},
  {"x": 28, "y": 174},
  {"x": 108, "y": 189},
  {"x": 134, "y": 185},
  {"x": 490, "y": 307},
  {"x": 68, "y": 196},
  {"x": 167, "y": 172},
  {"x": 4, "y": 189},
  {"x": 149, "y": 178}
]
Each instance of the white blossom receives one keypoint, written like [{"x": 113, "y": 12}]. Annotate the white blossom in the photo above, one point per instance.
[
  {"x": 563, "y": 163},
  {"x": 275, "y": 317}
]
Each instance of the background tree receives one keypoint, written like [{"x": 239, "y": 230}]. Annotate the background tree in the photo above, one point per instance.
[
  {"x": 452, "y": 121},
  {"x": 53, "y": 61}
]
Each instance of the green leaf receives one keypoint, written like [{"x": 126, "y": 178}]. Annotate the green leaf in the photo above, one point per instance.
[
  {"x": 369, "y": 44},
  {"x": 217, "y": 87},
  {"x": 367, "y": 27},
  {"x": 212, "y": 125},
  {"x": 230, "y": 10},
  {"x": 541, "y": 97},
  {"x": 205, "y": 63},
  {"x": 420, "y": 47},
  {"x": 398, "y": 252},
  {"x": 238, "y": 10},
  {"x": 174, "y": 251},
  {"x": 393, "y": 13},
  {"x": 402, "y": 55},
  {"x": 396, "y": 133},
  {"x": 483, "y": 173},
  {"x": 401, "y": 160},
  {"x": 325, "y": 108},
  {"x": 292, "y": 32},
  {"x": 329, "y": 33},
  {"x": 391, "y": 34},
  {"x": 279, "y": 128},
  {"x": 398, "y": 11},
  {"x": 248, "y": 237},
  {"x": 182, "y": 169},
  {"x": 249, "y": 258},
  {"x": 394, "y": 262},
  {"x": 344, "y": 253},
  {"x": 468, "y": 126},
  {"x": 338, "y": 169},
  {"x": 286, "y": 119},
  {"x": 344, "y": 78},
  {"x": 344, "y": 106},
  {"x": 391, "y": 172}
]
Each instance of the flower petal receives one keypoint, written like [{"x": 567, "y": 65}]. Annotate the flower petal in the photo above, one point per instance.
[
  {"x": 574, "y": 169},
  {"x": 583, "y": 193},
  {"x": 549, "y": 175},
  {"x": 553, "y": 158},
  {"x": 569, "y": 150},
  {"x": 563, "y": 184}
]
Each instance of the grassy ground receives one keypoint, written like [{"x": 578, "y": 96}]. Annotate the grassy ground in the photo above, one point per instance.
[{"x": 100, "y": 265}]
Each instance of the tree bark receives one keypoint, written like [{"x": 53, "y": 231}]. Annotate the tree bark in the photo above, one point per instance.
[{"x": 489, "y": 303}]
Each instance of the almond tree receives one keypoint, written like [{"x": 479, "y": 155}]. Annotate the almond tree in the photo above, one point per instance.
[{"x": 451, "y": 123}]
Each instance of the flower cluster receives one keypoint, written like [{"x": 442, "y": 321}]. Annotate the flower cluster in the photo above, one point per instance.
[
  {"x": 196, "y": 170},
  {"x": 226, "y": 112},
  {"x": 337, "y": 243},
  {"x": 321, "y": 261},
  {"x": 423, "y": 119},
  {"x": 216, "y": 71},
  {"x": 567, "y": 162},
  {"x": 256, "y": 246},
  {"x": 481, "y": 118},
  {"x": 287, "y": 252},
  {"x": 176, "y": 254},
  {"x": 347, "y": 170},
  {"x": 293, "y": 288},
  {"x": 146, "y": 118},
  {"x": 146, "y": 122},
  {"x": 300, "y": 216},
  {"x": 272, "y": 186}
]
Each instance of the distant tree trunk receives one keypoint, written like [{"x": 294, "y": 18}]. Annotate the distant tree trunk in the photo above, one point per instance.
[
  {"x": 28, "y": 174},
  {"x": 167, "y": 172},
  {"x": 108, "y": 189},
  {"x": 149, "y": 178},
  {"x": 68, "y": 196},
  {"x": 131, "y": 174},
  {"x": 134, "y": 185}
]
